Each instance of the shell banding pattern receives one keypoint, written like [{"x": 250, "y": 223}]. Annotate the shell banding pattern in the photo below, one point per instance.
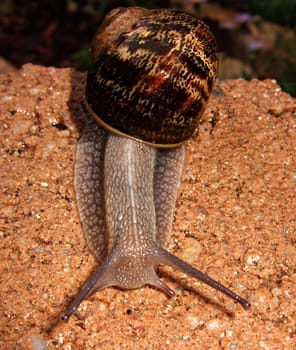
[{"x": 153, "y": 81}]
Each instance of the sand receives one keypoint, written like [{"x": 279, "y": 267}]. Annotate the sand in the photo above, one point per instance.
[{"x": 235, "y": 220}]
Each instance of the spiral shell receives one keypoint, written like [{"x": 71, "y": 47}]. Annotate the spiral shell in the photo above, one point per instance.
[{"x": 151, "y": 75}]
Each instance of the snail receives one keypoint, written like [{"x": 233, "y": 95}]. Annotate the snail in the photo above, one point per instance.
[{"x": 151, "y": 75}]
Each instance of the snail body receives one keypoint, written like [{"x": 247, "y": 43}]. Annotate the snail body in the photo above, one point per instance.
[{"x": 151, "y": 76}]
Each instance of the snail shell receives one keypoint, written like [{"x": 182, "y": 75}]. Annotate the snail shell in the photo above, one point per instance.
[{"x": 151, "y": 75}]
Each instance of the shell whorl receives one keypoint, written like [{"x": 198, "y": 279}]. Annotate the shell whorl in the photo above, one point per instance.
[{"x": 153, "y": 78}]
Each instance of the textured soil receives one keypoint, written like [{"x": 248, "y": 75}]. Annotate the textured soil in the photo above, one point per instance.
[{"x": 235, "y": 220}]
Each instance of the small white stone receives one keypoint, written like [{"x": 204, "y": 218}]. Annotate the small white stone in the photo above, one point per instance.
[
  {"x": 6, "y": 98},
  {"x": 214, "y": 324},
  {"x": 253, "y": 260},
  {"x": 192, "y": 320}
]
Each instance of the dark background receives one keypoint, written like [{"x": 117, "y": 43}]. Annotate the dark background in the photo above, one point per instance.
[{"x": 259, "y": 34}]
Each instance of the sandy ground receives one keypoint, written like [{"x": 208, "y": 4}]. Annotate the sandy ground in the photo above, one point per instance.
[{"x": 235, "y": 220}]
